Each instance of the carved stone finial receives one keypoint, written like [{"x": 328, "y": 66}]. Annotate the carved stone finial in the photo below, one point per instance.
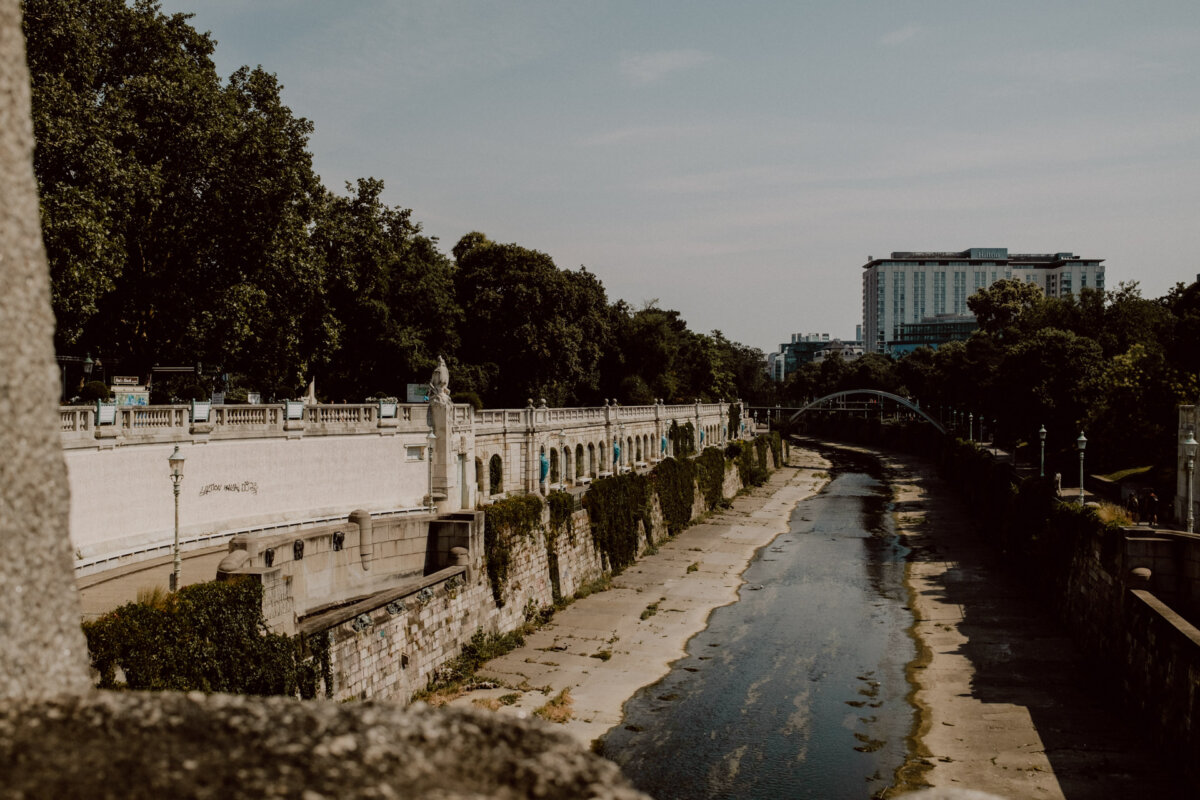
[
  {"x": 439, "y": 384},
  {"x": 542, "y": 402}
]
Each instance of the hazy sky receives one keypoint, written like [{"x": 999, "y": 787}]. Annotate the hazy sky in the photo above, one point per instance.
[{"x": 739, "y": 161}]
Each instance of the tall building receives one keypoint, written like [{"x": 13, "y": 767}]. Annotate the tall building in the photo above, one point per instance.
[{"x": 911, "y": 287}]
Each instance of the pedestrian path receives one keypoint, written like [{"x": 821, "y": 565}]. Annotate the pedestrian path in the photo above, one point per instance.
[{"x": 104, "y": 591}]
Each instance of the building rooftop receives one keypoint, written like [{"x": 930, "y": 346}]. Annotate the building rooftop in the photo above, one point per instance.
[{"x": 981, "y": 254}]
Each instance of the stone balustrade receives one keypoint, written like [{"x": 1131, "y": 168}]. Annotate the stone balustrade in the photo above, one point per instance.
[
  {"x": 270, "y": 467},
  {"x": 84, "y": 426}
]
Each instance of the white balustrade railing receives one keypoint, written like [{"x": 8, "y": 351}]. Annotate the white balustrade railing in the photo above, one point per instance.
[{"x": 80, "y": 425}]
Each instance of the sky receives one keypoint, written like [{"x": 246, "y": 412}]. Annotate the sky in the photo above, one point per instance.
[{"x": 741, "y": 161}]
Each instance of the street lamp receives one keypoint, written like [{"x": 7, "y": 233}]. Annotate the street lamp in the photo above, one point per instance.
[
  {"x": 971, "y": 427},
  {"x": 1042, "y": 436},
  {"x": 1189, "y": 450},
  {"x": 431, "y": 437},
  {"x": 176, "y": 462},
  {"x": 1081, "y": 443}
]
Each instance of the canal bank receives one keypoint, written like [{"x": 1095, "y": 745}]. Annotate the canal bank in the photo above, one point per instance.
[
  {"x": 1006, "y": 705},
  {"x": 603, "y": 648}
]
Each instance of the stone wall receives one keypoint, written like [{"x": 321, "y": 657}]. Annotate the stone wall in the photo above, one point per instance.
[
  {"x": 390, "y": 646},
  {"x": 1115, "y": 599}
]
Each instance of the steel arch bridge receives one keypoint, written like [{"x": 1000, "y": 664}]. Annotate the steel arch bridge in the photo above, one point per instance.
[{"x": 852, "y": 392}]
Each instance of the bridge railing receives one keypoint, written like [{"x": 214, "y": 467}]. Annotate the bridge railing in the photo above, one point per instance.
[{"x": 82, "y": 425}]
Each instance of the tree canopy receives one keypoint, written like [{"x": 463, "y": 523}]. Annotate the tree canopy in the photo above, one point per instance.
[{"x": 184, "y": 224}]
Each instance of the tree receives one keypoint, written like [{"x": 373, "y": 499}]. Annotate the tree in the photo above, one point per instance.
[
  {"x": 174, "y": 207},
  {"x": 389, "y": 294},
  {"x": 533, "y": 331},
  {"x": 1002, "y": 306}
]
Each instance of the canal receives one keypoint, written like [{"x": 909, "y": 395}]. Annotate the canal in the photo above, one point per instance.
[{"x": 798, "y": 689}]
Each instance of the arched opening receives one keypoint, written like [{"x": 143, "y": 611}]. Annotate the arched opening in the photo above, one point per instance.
[
  {"x": 554, "y": 471},
  {"x": 567, "y": 470},
  {"x": 591, "y": 460},
  {"x": 495, "y": 475},
  {"x": 578, "y": 461},
  {"x": 479, "y": 479}
]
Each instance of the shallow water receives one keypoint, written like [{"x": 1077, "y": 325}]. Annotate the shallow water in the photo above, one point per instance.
[{"x": 798, "y": 689}]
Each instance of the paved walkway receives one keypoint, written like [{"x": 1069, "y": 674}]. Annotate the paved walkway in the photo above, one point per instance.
[
  {"x": 105, "y": 591},
  {"x": 1007, "y": 703}
]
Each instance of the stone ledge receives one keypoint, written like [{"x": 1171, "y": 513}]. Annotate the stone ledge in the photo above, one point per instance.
[{"x": 138, "y": 745}]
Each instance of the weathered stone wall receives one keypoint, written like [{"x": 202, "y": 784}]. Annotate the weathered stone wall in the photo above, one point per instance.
[
  {"x": 391, "y": 647},
  {"x": 1110, "y": 598}
]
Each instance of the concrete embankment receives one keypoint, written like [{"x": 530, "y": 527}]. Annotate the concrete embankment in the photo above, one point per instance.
[
  {"x": 605, "y": 647},
  {"x": 1005, "y": 703}
]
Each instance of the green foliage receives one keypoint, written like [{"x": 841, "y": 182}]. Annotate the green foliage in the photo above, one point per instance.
[
  {"x": 710, "y": 475},
  {"x": 562, "y": 522},
  {"x": 682, "y": 438},
  {"x": 750, "y": 458},
  {"x": 615, "y": 506},
  {"x": 481, "y": 648},
  {"x": 674, "y": 482},
  {"x": 208, "y": 637},
  {"x": 735, "y": 421},
  {"x": 93, "y": 391},
  {"x": 505, "y": 522}
]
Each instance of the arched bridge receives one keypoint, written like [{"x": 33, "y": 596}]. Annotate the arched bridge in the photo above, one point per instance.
[{"x": 874, "y": 392}]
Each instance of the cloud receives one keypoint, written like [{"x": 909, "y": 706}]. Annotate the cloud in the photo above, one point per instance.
[
  {"x": 900, "y": 35},
  {"x": 646, "y": 68}
]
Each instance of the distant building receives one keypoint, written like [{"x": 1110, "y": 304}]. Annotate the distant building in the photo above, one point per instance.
[
  {"x": 791, "y": 355},
  {"x": 847, "y": 351},
  {"x": 910, "y": 287}
]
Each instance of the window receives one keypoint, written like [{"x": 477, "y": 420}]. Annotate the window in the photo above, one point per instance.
[
  {"x": 939, "y": 293},
  {"x": 414, "y": 453},
  {"x": 960, "y": 293}
]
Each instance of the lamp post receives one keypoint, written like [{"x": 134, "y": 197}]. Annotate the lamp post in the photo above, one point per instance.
[
  {"x": 176, "y": 462},
  {"x": 971, "y": 427},
  {"x": 1081, "y": 443},
  {"x": 431, "y": 437},
  {"x": 1042, "y": 436},
  {"x": 1189, "y": 450}
]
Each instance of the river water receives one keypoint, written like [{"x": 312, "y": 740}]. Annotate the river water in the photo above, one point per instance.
[{"x": 798, "y": 689}]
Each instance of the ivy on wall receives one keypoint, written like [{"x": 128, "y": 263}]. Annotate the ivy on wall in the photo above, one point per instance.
[
  {"x": 615, "y": 506},
  {"x": 674, "y": 482},
  {"x": 711, "y": 476},
  {"x": 504, "y": 522},
  {"x": 208, "y": 637},
  {"x": 683, "y": 439},
  {"x": 562, "y": 522}
]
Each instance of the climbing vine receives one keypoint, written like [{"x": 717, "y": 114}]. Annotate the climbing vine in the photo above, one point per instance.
[
  {"x": 711, "y": 476},
  {"x": 562, "y": 521},
  {"x": 615, "y": 506},
  {"x": 674, "y": 482},
  {"x": 683, "y": 439},
  {"x": 208, "y": 637},
  {"x": 504, "y": 522}
]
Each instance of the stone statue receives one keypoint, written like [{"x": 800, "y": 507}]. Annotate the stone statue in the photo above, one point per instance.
[
  {"x": 439, "y": 384},
  {"x": 310, "y": 397}
]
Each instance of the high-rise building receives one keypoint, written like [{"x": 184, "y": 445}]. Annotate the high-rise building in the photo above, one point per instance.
[{"x": 911, "y": 287}]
